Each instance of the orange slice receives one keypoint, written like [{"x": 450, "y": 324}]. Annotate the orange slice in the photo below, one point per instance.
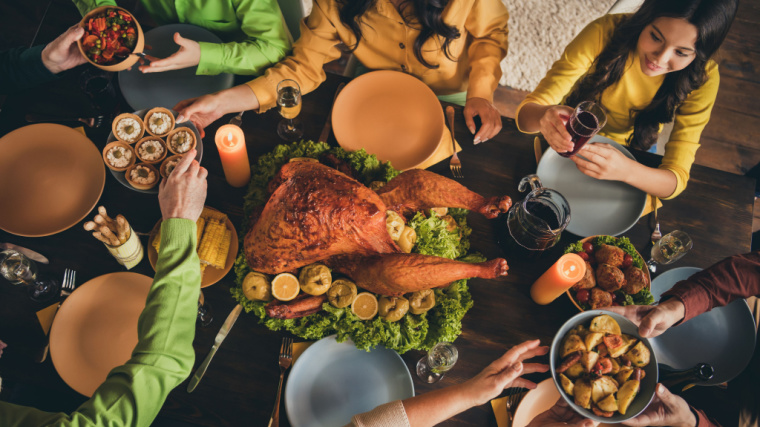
[
  {"x": 285, "y": 286},
  {"x": 364, "y": 306}
]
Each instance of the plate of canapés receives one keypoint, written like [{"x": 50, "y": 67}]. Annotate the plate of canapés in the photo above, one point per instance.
[
  {"x": 145, "y": 146},
  {"x": 616, "y": 274},
  {"x": 217, "y": 245}
]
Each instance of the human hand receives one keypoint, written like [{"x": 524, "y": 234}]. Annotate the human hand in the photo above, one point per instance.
[
  {"x": 666, "y": 409},
  {"x": 603, "y": 161},
  {"x": 202, "y": 111},
  {"x": 561, "y": 415},
  {"x": 505, "y": 372},
  {"x": 62, "y": 53},
  {"x": 188, "y": 55},
  {"x": 183, "y": 193},
  {"x": 490, "y": 119},
  {"x": 552, "y": 127},
  {"x": 653, "y": 320}
]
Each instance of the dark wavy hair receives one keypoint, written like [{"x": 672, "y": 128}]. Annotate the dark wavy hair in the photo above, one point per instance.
[
  {"x": 711, "y": 17},
  {"x": 428, "y": 21}
]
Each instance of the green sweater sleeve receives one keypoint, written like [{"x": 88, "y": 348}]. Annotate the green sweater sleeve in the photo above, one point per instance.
[
  {"x": 133, "y": 393},
  {"x": 85, "y": 6},
  {"x": 22, "y": 68}
]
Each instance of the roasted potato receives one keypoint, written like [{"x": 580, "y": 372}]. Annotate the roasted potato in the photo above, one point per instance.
[
  {"x": 589, "y": 359},
  {"x": 604, "y": 323},
  {"x": 628, "y": 342},
  {"x": 593, "y": 339},
  {"x": 615, "y": 367},
  {"x": 602, "y": 387},
  {"x": 623, "y": 375},
  {"x": 572, "y": 344},
  {"x": 575, "y": 371},
  {"x": 608, "y": 404},
  {"x": 567, "y": 385},
  {"x": 582, "y": 393},
  {"x": 638, "y": 355},
  {"x": 627, "y": 393}
]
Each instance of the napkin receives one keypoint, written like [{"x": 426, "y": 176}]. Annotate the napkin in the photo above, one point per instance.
[
  {"x": 443, "y": 151},
  {"x": 650, "y": 206},
  {"x": 300, "y": 347},
  {"x": 46, "y": 316},
  {"x": 500, "y": 411}
]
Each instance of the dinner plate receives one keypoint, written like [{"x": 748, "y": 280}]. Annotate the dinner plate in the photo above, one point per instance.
[
  {"x": 120, "y": 176},
  {"x": 95, "y": 329},
  {"x": 596, "y": 206},
  {"x": 167, "y": 88},
  {"x": 724, "y": 337},
  {"x": 390, "y": 114},
  {"x": 539, "y": 400},
  {"x": 211, "y": 275},
  {"x": 52, "y": 176},
  {"x": 331, "y": 382}
]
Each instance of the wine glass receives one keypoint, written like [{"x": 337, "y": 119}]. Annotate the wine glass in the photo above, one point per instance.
[
  {"x": 205, "y": 313},
  {"x": 439, "y": 359},
  {"x": 669, "y": 249},
  {"x": 20, "y": 270},
  {"x": 289, "y": 100},
  {"x": 587, "y": 119}
]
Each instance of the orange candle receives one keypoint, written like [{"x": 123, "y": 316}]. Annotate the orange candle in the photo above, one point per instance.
[
  {"x": 230, "y": 142},
  {"x": 566, "y": 272}
]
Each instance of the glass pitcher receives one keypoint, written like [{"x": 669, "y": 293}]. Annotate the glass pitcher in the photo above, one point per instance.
[{"x": 536, "y": 223}]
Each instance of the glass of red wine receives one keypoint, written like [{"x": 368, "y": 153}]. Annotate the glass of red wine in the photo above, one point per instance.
[{"x": 587, "y": 119}]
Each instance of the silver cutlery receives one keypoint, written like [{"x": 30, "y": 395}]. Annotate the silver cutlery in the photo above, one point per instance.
[
  {"x": 285, "y": 359},
  {"x": 513, "y": 401},
  {"x": 92, "y": 122},
  {"x": 231, "y": 318},
  {"x": 34, "y": 256},
  {"x": 237, "y": 120},
  {"x": 67, "y": 287},
  {"x": 454, "y": 164}
]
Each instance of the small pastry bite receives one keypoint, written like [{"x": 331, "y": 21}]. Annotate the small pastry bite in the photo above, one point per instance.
[
  {"x": 151, "y": 150},
  {"x": 159, "y": 121},
  {"x": 181, "y": 140},
  {"x": 169, "y": 164},
  {"x": 128, "y": 128},
  {"x": 118, "y": 156},
  {"x": 142, "y": 176}
]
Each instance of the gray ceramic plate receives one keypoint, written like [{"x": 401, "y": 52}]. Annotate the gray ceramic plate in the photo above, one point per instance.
[
  {"x": 331, "y": 382},
  {"x": 723, "y": 337},
  {"x": 596, "y": 206},
  {"x": 648, "y": 384},
  {"x": 168, "y": 88}
]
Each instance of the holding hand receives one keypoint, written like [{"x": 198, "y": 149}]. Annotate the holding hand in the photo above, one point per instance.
[
  {"x": 188, "y": 55},
  {"x": 666, "y": 409},
  {"x": 183, "y": 194},
  {"x": 561, "y": 415},
  {"x": 202, "y": 111},
  {"x": 653, "y": 320},
  {"x": 603, "y": 161},
  {"x": 62, "y": 53},
  {"x": 490, "y": 119},
  {"x": 552, "y": 127}
]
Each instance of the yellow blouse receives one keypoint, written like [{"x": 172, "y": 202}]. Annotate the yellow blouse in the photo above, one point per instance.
[
  {"x": 387, "y": 43},
  {"x": 635, "y": 90}
]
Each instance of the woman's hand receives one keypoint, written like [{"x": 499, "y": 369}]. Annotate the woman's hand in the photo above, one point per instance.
[
  {"x": 202, "y": 111},
  {"x": 490, "y": 119},
  {"x": 505, "y": 372},
  {"x": 666, "y": 409},
  {"x": 653, "y": 320},
  {"x": 188, "y": 55},
  {"x": 603, "y": 161},
  {"x": 552, "y": 126},
  {"x": 561, "y": 415},
  {"x": 62, "y": 53}
]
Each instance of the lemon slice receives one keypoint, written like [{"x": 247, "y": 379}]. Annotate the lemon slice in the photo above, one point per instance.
[
  {"x": 364, "y": 306},
  {"x": 285, "y": 287}
]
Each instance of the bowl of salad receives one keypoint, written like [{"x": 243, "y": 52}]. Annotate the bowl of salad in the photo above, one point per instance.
[
  {"x": 615, "y": 274},
  {"x": 111, "y": 37}
]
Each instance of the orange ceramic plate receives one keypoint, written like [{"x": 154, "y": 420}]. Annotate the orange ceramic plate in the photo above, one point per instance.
[
  {"x": 95, "y": 329},
  {"x": 52, "y": 177},
  {"x": 390, "y": 114},
  {"x": 211, "y": 275}
]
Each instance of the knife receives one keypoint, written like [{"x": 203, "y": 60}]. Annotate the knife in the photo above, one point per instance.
[
  {"x": 217, "y": 342},
  {"x": 24, "y": 251},
  {"x": 328, "y": 124}
]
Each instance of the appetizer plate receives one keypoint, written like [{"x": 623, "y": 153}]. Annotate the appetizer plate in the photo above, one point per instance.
[
  {"x": 331, "y": 382},
  {"x": 597, "y": 206},
  {"x": 539, "y": 400},
  {"x": 211, "y": 275},
  {"x": 52, "y": 177},
  {"x": 723, "y": 337},
  {"x": 154, "y": 190},
  {"x": 167, "y": 88},
  {"x": 95, "y": 330},
  {"x": 648, "y": 383},
  {"x": 390, "y": 114}
]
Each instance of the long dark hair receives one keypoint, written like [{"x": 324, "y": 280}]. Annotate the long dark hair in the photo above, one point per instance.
[
  {"x": 711, "y": 17},
  {"x": 428, "y": 18}
]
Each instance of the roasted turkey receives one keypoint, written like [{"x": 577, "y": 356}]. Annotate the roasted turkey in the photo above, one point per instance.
[{"x": 318, "y": 214}]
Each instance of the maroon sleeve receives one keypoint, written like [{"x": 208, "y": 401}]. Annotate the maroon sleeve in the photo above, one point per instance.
[
  {"x": 702, "y": 419},
  {"x": 733, "y": 278}
]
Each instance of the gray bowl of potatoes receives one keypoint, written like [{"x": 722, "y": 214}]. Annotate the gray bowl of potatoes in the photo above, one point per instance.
[{"x": 602, "y": 367}]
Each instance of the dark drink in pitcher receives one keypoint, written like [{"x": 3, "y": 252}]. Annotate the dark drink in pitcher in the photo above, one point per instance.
[{"x": 587, "y": 119}]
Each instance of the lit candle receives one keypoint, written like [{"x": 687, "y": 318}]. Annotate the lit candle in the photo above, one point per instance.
[
  {"x": 230, "y": 142},
  {"x": 566, "y": 272}
]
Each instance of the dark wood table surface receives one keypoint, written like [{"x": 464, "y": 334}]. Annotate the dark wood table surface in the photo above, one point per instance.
[{"x": 239, "y": 386}]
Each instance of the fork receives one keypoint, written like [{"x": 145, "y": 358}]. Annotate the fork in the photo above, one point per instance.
[
  {"x": 237, "y": 120},
  {"x": 513, "y": 400},
  {"x": 286, "y": 357},
  {"x": 93, "y": 122},
  {"x": 656, "y": 234},
  {"x": 67, "y": 287},
  {"x": 455, "y": 164}
]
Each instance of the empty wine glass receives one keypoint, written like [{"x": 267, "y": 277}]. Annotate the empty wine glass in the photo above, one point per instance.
[
  {"x": 20, "y": 270},
  {"x": 439, "y": 359},
  {"x": 289, "y": 100},
  {"x": 205, "y": 313},
  {"x": 669, "y": 249}
]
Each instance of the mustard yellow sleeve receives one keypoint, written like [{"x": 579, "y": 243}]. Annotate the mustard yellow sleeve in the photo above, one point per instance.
[
  {"x": 317, "y": 46},
  {"x": 691, "y": 118},
  {"x": 575, "y": 61},
  {"x": 487, "y": 23}
]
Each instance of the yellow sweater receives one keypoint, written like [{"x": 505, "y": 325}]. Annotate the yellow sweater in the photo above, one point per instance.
[
  {"x": 635, "y": 90},
  {"x": 387, "y": 44}
]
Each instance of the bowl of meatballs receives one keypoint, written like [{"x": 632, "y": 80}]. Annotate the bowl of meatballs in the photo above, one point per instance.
[{"x": 615, "y": 274}]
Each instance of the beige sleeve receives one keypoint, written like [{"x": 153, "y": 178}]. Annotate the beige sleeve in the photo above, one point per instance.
[{"x": 389, "y": 415}]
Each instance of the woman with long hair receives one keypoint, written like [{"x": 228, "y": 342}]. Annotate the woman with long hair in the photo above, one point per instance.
[
  {"x": 646, "y": 69},
  {"x": 453, "y": 46}
]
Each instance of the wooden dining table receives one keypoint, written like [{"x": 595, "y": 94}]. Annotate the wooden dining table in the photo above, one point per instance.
[{"x": 241, "y": 382}]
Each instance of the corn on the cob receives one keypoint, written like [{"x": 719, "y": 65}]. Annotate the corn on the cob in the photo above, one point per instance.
[
  {"x": 212, "y": 238},
  {"x": 224, "y": 248},
  {"x": 157, "y": 241},
  {"x": 200, "y": 224},
  {"x": 213, "y": 214},
  {"x": 203, "y": 270}
]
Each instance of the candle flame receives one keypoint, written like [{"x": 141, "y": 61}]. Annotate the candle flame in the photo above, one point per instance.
[{"x": 230, "y": 142}]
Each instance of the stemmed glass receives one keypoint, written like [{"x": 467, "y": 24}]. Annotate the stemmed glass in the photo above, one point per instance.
[
  {"x": 587, "y": 119},
  {"x": 20, "y": 270},
  {"x": 669, "y": 249},
  {"x": 289, "y": 100},
  {"x": 437, "y": 362},
  {"x": 205, "y": 314}
]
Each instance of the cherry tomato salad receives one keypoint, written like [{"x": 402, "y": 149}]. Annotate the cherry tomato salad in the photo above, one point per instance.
[{"x": 109, "y": 37}]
